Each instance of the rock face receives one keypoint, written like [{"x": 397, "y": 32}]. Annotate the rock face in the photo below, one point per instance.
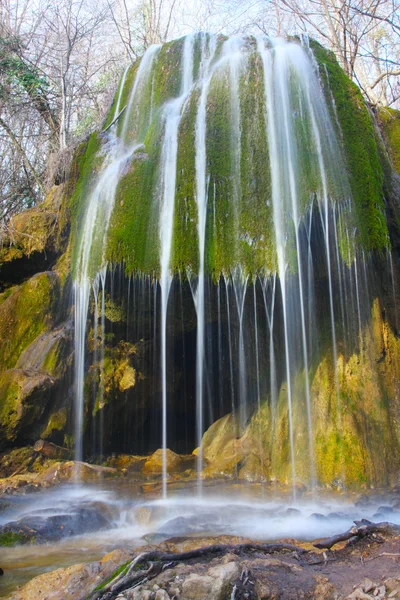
[
  {"x": 25, "y": 396},
  {"x": 72, "y": 583},
  {"x": 342, "y": 425},
  {"x": 366, "y": 414},
  {"x": 255, "y": 576}
]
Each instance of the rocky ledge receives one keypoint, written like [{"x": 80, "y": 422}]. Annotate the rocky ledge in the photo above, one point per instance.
[{"x": 362, "y": 566}]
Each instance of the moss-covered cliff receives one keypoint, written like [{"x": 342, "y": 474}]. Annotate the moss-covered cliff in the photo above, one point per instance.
[{"x": 330, "y": 305}]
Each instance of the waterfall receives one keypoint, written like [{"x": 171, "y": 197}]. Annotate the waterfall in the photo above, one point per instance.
[
  {"x": 173, "y": 114},
  {"x": 99, "y": 207},
  {"x": 226, "y": 171}
]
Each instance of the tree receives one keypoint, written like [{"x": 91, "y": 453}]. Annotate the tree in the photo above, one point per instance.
[{"x": 364, "y": 35}]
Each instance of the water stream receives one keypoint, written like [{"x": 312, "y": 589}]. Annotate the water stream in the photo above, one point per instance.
[{"x": 256, "y": 334}]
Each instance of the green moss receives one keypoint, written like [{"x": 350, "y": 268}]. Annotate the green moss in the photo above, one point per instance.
[
  {"x": 390, "y": 120},
  {"x": 167, "y": 76},
  {"x": 10, "y": 538},
  {"x": 133, "y": 235},
  {"x": 364, "y": 168},
  {"x": 122, "y": 569},
  {"x": 256, "y": 227},
  {"x": 87, "y": 164},
  {"x": 56, "y": 422},
  {"x": 69, "y": 441},
  {"x": 7, "y": 293},
  {"x": 25, "y": 314},
  {"x": 185, "y": 233},
  {"x": 221, "y": 248},
  {"x": 54, "y": 362},
  {"x": 23, "y": 399},
  {"x": 114, "y": 312},
  {"x": 140, "y": 108},
  {"x": 130, "y": 77}
]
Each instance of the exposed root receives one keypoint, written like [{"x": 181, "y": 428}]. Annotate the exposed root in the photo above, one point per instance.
[
  {"x": 156, "y": 561},
  {"x": 362, "y": 529}
]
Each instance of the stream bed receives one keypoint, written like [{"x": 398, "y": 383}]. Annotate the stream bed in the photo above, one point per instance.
[{"x": 82, "y": 523}]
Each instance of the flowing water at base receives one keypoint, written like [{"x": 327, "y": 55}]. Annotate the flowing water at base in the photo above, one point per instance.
[{"x": 137, "y": 519}]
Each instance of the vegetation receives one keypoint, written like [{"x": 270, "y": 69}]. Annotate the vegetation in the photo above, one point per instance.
[
  {"x": 26, "y": 313},
  {"x": 364, "y": 167},
  {"x": 390, "y": 120}
]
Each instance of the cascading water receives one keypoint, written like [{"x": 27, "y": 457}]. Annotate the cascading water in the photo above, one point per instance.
[
  {"x": 90, "y": 255},
  {"x": 231, "y": 152},
  {"x": 173, "y": 114}
]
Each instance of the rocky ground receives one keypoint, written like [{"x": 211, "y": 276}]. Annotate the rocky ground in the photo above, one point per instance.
[
  {"x": 366, "y": 569},
  {"x": 363, "y": 563}
]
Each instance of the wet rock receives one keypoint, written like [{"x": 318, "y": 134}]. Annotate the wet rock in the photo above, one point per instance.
[
  {"x": 41, "y": 527},
  {"x": 338, "y": 515},
  {"x": 132, "y": 464},
  {"x": 193, "y": 524},
  {"x": 292, "y": 512},
  {"x": 215, "y": 584},
  {"x": 24, "y": 396},
  {"x": 218, "y": 435},
  {"x": 154, "y": 465},
  {"x": 385, "y": 509},
  {"x": 318, "y": 517},
  {"x": 70, "y": 470},
  {"x": 72, "y": 583},
  {"x": 252, "y": 469}
]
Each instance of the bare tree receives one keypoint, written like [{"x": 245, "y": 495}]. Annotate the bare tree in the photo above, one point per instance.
[{"x": 364, "y": 35}]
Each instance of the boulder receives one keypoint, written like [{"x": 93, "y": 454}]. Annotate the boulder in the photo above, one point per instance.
[
  {"x": 154, "y": 465},
  {"x": 42, "y": 527},
  {"x": 219, "y": 435},
  {"x": 72, "y": 583},
  {"x": 24, "y": 396}
]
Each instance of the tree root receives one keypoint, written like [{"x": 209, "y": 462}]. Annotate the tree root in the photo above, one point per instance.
[
  {"x": 362, "y": 529},
  {"x": 157, "y": 561}
]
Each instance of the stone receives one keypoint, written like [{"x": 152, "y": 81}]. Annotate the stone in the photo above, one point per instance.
[
  {"x": 197, "y": 587},
  {"x": 216, "y": 583},
  {"x": 358, "y": 594},
  {"x": 252, "y": 469},
  {"x": 161, "y": 595},
  {"x": 393, "y": 584},
  {"x": 368, "y": 585},
  {"x": 155, "y": 463},
  {"x": 264, "y": 592},
  {"x": 41, "y": 527},
  {"x": 24, "y": 396},
  {"x": 72, "y": 583},
  {"x": 218, "y": 435}
]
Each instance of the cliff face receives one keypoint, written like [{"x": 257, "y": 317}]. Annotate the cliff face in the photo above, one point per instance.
[{"x": 246, "y": 206}]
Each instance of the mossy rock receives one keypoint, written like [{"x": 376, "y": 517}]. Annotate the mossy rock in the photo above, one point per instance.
[
  {"x": 39, "y": 229},
  {"x": 218, "y": 435},
  {"x": 361, "y": 150},
  {"x": 56, "y": 423},
  {"x": 24, "y": 397},
  {"x": 154, "y": 464},
  {"x": 11, "y": 538},
  {"x": 15, "y": 459},
  {"x": 26, "y": 313},
  {"x": 390, "y": 119}
]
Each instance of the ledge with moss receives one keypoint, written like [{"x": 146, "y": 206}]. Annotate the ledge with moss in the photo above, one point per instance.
[{"x": 364, "y": 168}]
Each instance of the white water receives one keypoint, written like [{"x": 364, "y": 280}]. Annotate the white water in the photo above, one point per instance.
[
  {"x": 173, "y": 114},
  {"x": 297, "y": 123},
  {"x": 100, "y": 204},
  {"x": 201, "y": 199}
]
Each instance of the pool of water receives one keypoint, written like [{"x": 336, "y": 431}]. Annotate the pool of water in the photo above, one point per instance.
[{"x": 135, "y": 519}]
